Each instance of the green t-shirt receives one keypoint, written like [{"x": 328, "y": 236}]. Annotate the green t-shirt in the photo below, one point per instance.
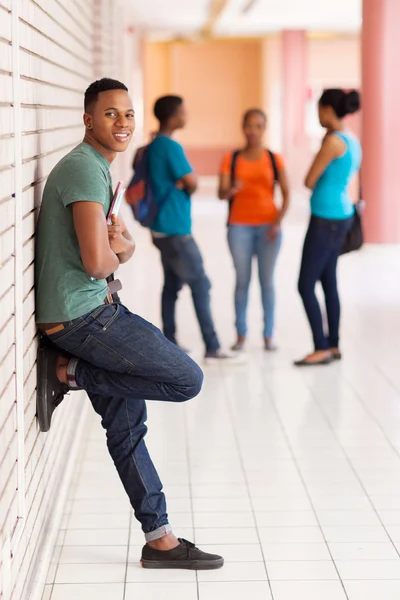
[{"x": 64, "y": 291}]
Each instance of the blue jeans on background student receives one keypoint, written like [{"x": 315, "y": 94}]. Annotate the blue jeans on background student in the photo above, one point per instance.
[
  {"x": 121, "y": 360},
  {"x": 322, "y": 245},
  {"x": 245, "y": 242},
  {"x": 183, "y": 264}
]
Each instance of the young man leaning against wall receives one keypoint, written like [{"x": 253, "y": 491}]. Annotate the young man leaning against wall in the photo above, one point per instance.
[{"x": 117, "y": 357}]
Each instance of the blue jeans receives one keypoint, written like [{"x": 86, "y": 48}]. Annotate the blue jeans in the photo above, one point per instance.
[
  {"x": 323, "y": 242},
  {"x": 246, "y": 241},
  {"x": 121, "y": 360},
  {"x": 183, "y": 263}
]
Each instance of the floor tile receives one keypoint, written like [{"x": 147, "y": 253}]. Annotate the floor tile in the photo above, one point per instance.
[
  {"x": 363, "y": 551},
  {"x": 254, "y": 590},
  {"x": 222, "y": 519},
  {"x": 226, "y": 536},
  {"x": 97, "y": 537},
  {"x": 99, "y": 521},
  {"x": 290, "y": 535},
  {"x": 90, "y": 573},
  {"x": 251, "y": 571},
  {"x": 236, "y": 552},
  {"x": 218, "y": 505},
  {"x": 373, "y": 590},
  {"x": 98, "y": 591},
  {"x": 308, "y": 590},
  {"x": 93, "y": 555},
  {"x": 369, "y": 569},
  {"x": 355, "y": 534},
  {"x": 136, "y": 574},
  {"x": 286, "y": 552},
  {"x": 301, "y": 518},
  {"x": 353, "y": 518},
  {"x": 155, "y": 591},
  {"x": 301, "y": 570}
]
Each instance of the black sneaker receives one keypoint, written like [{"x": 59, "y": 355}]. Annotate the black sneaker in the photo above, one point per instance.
[
  {"x": 50, "y": 391},
  {"x": 184, "y": 556}
]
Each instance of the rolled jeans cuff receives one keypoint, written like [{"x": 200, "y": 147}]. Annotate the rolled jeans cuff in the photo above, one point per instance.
[
  {"x": 158, "y": 533},
  {"x": 71, "y": 374}
]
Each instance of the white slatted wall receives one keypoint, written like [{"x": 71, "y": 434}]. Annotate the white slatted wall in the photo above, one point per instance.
[{"x": 50, "y": 50}]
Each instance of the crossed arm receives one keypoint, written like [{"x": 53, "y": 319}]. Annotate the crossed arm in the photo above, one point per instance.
[{"x": 103, "y": 248}]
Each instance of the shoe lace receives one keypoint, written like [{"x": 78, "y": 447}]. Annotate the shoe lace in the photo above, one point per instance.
[{"x": 186, "y": 543}]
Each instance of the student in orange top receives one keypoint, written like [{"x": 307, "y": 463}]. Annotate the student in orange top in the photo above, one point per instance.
[{"x": 247, "y": 180}]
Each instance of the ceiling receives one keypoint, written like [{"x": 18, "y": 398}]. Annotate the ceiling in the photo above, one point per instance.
[{"x": 174, "y": 18}]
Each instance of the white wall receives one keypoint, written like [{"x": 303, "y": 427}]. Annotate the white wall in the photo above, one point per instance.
[{"x": 50, "y": 50}]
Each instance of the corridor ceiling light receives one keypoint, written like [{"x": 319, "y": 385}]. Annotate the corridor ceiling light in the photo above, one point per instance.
[
  {"x": 215, "y": 11},
  {"x": 250, "y": 4}
]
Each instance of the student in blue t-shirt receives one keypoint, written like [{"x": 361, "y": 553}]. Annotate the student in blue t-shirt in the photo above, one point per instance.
[
  {"x": 173, "y": 181},
  {"x": 332, "y": 213}
]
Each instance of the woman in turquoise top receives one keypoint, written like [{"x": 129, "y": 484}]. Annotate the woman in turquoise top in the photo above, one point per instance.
[{"x": 332, "y": 213}]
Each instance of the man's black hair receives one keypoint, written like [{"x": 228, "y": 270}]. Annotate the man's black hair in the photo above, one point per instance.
[
  {"x": 101, "y": 85},
  {"x": 166, "y": 107}
]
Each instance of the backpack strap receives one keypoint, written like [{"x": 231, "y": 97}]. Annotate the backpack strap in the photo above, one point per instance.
[
  {"x": 235, "y": 155},
  {"x": 274, "y": 165}
]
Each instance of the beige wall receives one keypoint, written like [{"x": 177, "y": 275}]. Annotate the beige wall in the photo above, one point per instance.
[
  {"x": 335, "y": 62},
  {"x": 219, "y": 81}
]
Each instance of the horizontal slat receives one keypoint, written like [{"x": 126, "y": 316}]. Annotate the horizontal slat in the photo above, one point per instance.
[
  {"x": 40, "y": 44},
  {"x": 5, "y": 80},
  {"x": 75, "y": 13},
  {"x": 28, "y": 253},
  {"x": 8, "y": 492},
  {"x": 32, "y": 198},
  {"x": 7, "y": 186},
  {"x": 5, "y": 27},
  {"x": 7, "y": 433},
  {"x": 30, "y": 385},
  {"x": 28, "y": 279},
  {"x": 7, "y": 307},
  {"x": 7, "y": 208},
  {"x": 6, "y": 244},
  {"x": 7, "y": 336},
  {"x": 6, "y": 152},
  {"x": 7, "y": 403},
  {"x": 6, "y": 276},
  {"x": 30, "y": 358},
  {"x": 7, "y": 369},
  {"x": 34, "y": 119},
  {"x": 29, "y": 307},
  {"x": 43, "y": 143},
  {"x": 28, "y": 227},
  {"x": 37, "y": 92},
  {"x": 6, "y": 122},
  {"x": 29, "y": 332},
  {"x": 61, "y": 20},
  {"x": 44, "y": 69}
]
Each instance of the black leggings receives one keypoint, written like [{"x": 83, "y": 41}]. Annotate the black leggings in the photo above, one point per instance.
[{"x": 322, "y": 245}]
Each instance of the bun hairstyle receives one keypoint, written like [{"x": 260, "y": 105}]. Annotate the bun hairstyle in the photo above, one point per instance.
[{"x": 343, "y": 103}]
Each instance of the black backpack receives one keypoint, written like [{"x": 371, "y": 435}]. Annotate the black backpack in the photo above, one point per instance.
[{"x": 233, "y": 168}]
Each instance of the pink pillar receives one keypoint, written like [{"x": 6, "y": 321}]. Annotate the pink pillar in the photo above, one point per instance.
[
  {"x": 381, "y": 120},
  {"x": 294, "y": 81}
]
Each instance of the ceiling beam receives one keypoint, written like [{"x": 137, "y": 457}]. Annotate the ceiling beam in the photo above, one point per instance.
[{"x": 214, "y": 13}]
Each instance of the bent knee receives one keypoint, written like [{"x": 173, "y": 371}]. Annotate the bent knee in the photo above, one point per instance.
[{"x": 191, "y": 382}]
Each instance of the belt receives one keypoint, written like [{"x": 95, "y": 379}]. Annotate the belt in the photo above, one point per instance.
[{"x": 52, "y": 328}]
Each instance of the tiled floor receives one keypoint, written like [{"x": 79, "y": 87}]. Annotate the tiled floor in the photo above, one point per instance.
[{"x": 294, "y": 476}]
